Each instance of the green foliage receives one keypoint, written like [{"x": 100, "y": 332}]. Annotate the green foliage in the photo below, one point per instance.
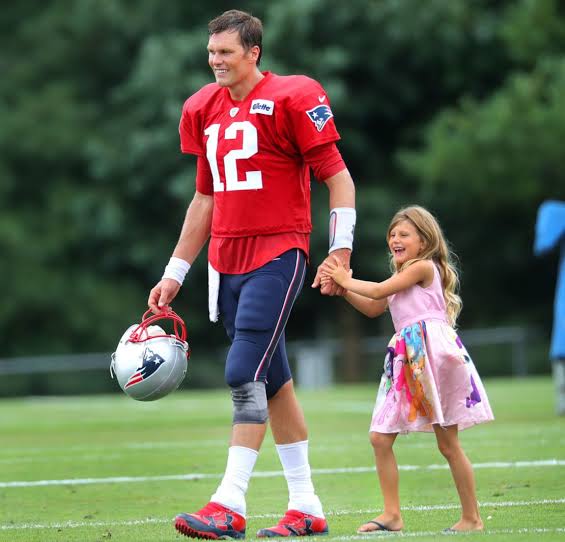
[
  {"x": 495, "y": 161},
  {"x": 389, "y": 67},
  {"x": 534, "y": 29},
  {"x": 512, "y": 140},
  {"x": 426, "y": 96}
]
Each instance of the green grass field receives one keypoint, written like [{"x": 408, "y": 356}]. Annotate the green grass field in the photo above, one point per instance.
[{"x": 108, "y": 468}]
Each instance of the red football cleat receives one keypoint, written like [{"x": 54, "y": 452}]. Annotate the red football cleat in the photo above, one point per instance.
[
  {"x": 295, "y": 523},
  {"x": 213, "y": 522}
]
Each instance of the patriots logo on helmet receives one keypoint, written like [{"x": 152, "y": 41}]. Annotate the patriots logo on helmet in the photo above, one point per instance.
[
  {"x": 143, "y": 348},
  {"x": 151, "y": 362},
  {"x": 319, "y": 115}
]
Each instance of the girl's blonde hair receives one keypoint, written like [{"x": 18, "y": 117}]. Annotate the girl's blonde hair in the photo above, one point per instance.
[{"x": 435, "y": 249}]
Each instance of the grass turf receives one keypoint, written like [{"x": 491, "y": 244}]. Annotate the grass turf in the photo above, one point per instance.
[{"x": 63, "y": 448}]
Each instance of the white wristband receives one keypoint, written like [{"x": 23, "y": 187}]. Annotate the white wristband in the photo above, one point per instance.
[
  {"x": 342, "y": 227},
  {"x": 176, "y": 269}
]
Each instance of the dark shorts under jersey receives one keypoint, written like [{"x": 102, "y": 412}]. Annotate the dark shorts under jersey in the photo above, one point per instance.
[{"x": 254, "y": 308}]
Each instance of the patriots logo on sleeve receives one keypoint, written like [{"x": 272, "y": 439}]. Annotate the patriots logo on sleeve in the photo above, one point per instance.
[{"x": 319, "y": 115}]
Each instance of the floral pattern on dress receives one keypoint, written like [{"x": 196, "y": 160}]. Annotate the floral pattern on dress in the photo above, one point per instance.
[{"x": 407, "y": 390}]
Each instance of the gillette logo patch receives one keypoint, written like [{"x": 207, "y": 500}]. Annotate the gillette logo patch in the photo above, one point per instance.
[{"x": 262, "y": 107}]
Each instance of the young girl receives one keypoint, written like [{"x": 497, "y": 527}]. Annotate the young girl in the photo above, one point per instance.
[{"x": 429, "y": 381}]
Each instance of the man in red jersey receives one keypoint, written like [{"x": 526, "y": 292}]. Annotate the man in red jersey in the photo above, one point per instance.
[{"x": 256, "y": 136}]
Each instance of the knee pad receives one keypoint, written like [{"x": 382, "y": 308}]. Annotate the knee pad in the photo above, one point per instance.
[{"x": 250, "y": 403}]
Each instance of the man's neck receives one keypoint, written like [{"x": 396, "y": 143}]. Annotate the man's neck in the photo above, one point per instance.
[{"x": 240, "y": 91}]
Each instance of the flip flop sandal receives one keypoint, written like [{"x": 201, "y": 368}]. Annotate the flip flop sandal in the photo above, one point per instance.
[{"x": 381, "y": 527}]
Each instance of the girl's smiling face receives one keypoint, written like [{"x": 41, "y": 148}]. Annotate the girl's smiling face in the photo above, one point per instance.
[{"x": 404, "y": 243}]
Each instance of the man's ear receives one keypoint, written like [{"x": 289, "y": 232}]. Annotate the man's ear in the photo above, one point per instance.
[{"x": 254, "y": 52}]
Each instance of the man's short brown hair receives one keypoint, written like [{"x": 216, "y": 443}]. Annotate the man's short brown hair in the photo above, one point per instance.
[{"x": 248, "y": 28}]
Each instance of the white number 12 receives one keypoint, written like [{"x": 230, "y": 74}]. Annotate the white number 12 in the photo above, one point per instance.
[{"x": 253, "y": 179}]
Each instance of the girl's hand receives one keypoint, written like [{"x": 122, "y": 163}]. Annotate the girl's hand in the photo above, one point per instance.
[
  {"x": 327, "y": 269},
  {"x": 327, "y": 280},
  {"x": 330, "y": 287},
  {"x": 337, "y": 271}
]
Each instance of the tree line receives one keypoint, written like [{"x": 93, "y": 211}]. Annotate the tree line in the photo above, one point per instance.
[{"x": 455, "y": 105}]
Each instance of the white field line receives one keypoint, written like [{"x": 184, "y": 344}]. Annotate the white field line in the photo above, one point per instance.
[
  {"x": 148, "y": 521},
  {"x": 270, "y": 474},
  {"x": 419, "y": 534}
]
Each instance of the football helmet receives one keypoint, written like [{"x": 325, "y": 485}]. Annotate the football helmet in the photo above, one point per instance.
[{"x": 150, "y": 363}]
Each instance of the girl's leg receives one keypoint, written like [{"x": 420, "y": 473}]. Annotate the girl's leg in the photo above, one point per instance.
[
  {"x": 387, "y": 470},
  {"x": 462, "y": 472}
]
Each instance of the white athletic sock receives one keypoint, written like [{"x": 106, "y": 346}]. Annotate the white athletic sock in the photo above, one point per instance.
[
  {"x": 232, "y": 489},
  {"x": 294, "y": 460}
]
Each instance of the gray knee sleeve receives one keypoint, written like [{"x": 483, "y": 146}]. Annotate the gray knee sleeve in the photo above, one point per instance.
[{"x": 249, "y": 403}]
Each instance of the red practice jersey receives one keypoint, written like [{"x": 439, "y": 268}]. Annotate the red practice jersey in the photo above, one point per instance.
[{"x": 255, "y": 147}]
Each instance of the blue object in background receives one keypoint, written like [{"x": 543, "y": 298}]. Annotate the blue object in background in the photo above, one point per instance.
[{"x": 550, "y": 234}]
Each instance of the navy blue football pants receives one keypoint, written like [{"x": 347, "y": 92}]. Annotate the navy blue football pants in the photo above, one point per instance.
[{"x": 254, "y": 308}]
